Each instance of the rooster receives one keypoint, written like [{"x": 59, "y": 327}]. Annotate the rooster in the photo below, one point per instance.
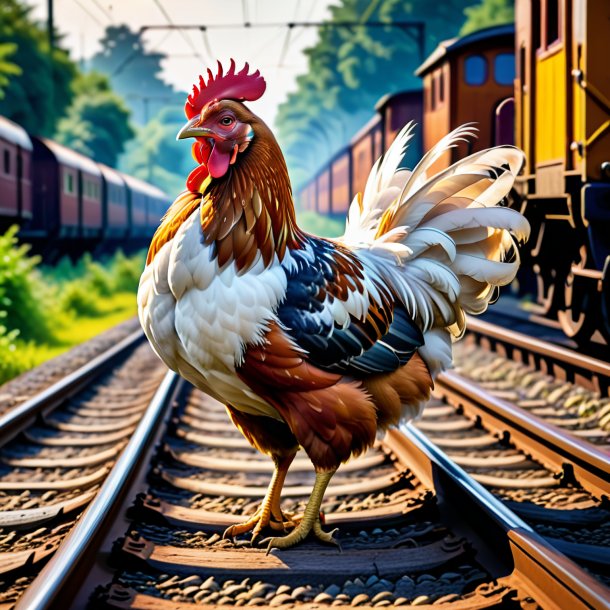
[{"x": 313, "y": 343}]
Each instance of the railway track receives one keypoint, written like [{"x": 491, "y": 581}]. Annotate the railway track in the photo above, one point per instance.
[
  {"x": 58, "y": 447},
  {"x": 472, "y": 507}
]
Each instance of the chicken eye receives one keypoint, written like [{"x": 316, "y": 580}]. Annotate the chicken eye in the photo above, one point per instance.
[{"x": 226, "y": 120}]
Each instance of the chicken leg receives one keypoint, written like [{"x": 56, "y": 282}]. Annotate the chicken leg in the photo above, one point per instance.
[
  {"x": 311, "y": 518},
  {"x": 269, "y": 513}
]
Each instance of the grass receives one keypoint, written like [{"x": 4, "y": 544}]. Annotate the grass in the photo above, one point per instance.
[
  {"x": 45, "y": 311},
  {"x": 78, "y": 329}
]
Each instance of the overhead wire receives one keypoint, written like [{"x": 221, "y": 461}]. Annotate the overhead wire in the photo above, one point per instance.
[
  {"x": 182, "y": 32},
  {"x": 86, "y": 10},
  {"x": 107, "y": 14}
]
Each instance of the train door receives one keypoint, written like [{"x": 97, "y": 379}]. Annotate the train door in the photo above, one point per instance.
[{"x": 552, "y": 95}]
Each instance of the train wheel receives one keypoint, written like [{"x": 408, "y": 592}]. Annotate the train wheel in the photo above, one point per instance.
[{"x": 581, "y": 316}]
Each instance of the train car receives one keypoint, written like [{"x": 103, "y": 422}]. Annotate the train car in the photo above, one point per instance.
[
  {"x": 147, "y": 204},
  {"x": 366, "y": 148},
  {"x": 15, "y": 174},
  {"x": 158, "y": 202},
  {"x": 323, "y": 191},
  {"x": 115, "y": 210},
  {"x": 469, "y": 79},
  {"x": 562, "y": 95},
  {"x": 396, "y": 111},
  {"x": 67, "y": 194},
  {"x": 341, "y": 179}
]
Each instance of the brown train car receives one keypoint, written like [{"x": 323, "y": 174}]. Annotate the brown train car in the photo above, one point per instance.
[
  {"x": 15, "y": 171},
  {"x": 469, "y": 79},
  {"x": 308, "y": 197},
  {"x": 323, "y": 186},
  {"x": 396, "y": 111},
  {"x": 341, "y": 176},
  {"x": 365, "y": 149},
  {"x": 562, "y": 100}
]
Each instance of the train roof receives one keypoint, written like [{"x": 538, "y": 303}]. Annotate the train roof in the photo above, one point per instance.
[
  {"x": 370, "y": 124},
  {"x": 144, "y": 187},
  {"x": 451, "y": 46},
  {"x": 383, "y": 101},
  {"x": 112, "y": 175},
  {"x": 71, "y": 158},
  {"x": 11, "y": 132}
]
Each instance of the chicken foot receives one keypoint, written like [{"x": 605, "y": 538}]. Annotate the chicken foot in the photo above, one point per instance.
[
  {"x": 269, "y": 513},
  {"x": 310, "y": 521}
]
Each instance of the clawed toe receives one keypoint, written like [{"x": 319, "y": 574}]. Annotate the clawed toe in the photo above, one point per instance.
[{"x": 298, "y": 535}]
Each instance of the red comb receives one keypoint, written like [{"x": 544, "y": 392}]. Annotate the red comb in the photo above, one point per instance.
[{"x": 230, "y": 86}]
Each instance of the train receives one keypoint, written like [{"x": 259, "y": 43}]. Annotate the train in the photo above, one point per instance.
[
  {"x": 542, "y": 85},
  {"x": 66, "y": 203}
]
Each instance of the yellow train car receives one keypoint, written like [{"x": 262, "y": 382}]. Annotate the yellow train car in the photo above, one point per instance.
[{"x": 562, "y": 102}]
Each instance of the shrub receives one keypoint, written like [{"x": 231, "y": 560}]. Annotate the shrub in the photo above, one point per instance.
[{"x": 24, "y": 298}]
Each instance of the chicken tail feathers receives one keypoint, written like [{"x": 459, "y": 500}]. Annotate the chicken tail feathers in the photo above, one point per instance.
[{"x": 441, "y": 240}]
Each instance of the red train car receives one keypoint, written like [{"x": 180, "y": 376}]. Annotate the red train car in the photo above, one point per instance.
[
  {"x": 115, "y": 197},
  {"x": 15, "y": 171},
  {"x": 67, "y": 194},
  {"x": 470, "y": 79}
]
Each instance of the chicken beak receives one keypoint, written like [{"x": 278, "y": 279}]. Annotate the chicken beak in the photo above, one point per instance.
[{"x": 193, "y": 130}]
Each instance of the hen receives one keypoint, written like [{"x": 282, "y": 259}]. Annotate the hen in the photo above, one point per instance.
[{"x": 318, "y": 343}]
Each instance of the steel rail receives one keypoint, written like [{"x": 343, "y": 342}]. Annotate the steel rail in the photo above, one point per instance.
[
  {"x": 569, "y": 360},
  {"x": 539, "y": 567},
  {"x": 17, "y": 419},
  {"x": 552, "y": 446},
  {"x": 54, "y": 579}
]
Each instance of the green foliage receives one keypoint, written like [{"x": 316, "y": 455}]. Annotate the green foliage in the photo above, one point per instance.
[
  {"x": 42, "y": 306},
  {"x": 7, "y": 68},
  {"x": 350, "y": 69},
  {"x": 38, "y": 96},
  {"x": 24, "y": 298},
  {"x": 488, "y": 13},
  {"x": 97, "y": 123},
  {"x": 320, "y": 225},
  {"x": 134, "y": 72}
]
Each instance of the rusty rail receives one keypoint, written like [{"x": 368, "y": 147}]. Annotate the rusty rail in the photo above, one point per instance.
[{"x": 565, "y": 364}]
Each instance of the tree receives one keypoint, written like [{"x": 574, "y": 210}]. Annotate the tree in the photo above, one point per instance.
[
  {"x": 97, "y": 123},
  {"x": 134, "y": 72},
  {"x": 38, "y": 96},
  {"x": 488, "y": 13},
  {"x": 7, "y": 68},
  {"x": 350, "y": 68},
  {"x": 156, "y": 156}
]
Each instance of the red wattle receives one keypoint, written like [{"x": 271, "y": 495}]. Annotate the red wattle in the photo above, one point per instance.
[
  {"x": 218, "y": 162},
  {"x": 196, "y": 178}
]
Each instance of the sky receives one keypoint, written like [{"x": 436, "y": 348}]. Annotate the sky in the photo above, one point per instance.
[{"x": 277, "y": 54}]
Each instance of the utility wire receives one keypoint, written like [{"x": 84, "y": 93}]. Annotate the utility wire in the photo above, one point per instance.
[
  {"x": 182, "y": 32},
  {"x": 206, "y": 44},
  {"x": 84, "y": 8},
  {"x": 101, "y": 8}
]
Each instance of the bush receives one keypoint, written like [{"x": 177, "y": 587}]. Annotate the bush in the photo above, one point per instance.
[
  {"x": 24, "y": 298},
  {"x": 78, "y": 298}
]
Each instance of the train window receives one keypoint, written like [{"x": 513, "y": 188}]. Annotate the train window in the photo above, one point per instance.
[
  {"x": 475, "y": 70},
  {"x": 7, "y": 161},
  {"x": 504, "y": 68},
  {"x": 68, "y": 183},
  {"x": 552, "y": 21},
  {"x": 433, "y": 93}
]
